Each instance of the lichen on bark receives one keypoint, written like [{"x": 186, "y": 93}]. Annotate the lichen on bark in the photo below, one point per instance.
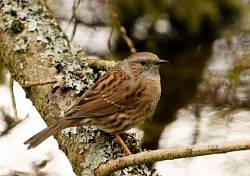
[{"x": 35, "y": 51}]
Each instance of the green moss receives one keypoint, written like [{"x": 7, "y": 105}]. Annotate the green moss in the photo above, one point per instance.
[{"x": 234, "y": 77}]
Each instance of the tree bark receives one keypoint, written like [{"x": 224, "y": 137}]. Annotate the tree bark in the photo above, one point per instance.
[{"x": 53, "y": 71}]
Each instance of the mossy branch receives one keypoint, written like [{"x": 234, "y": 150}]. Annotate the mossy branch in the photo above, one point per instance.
[
  {"x": 169, "y": 154},
  {"x": 53, "y": 71}
]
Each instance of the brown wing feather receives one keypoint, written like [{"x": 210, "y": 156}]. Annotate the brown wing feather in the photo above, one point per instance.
[{"x": 112, "y": 93}]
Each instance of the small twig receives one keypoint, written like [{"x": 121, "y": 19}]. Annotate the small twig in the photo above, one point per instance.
[
  {"x": 197, "y": 123},
  {"x": 10, "y": 123},
  {"x": 74, "y": 17},
  {"x": 13, "y": 101},
  {"x": 124, "y": 146},
  {"x": 101, "y": 64},
  {"x": 109, "y": 40},
  {"x": 169, "y": 154},
  {"x": 39, "y": 83},
  {"x": 112, "y": 28},
  {"x": 127, "y": 39},
  {"x": 123, "y": 33}
]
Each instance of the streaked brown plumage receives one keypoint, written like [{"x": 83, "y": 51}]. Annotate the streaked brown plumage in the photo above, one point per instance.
[{"x": 122, "y": 98}]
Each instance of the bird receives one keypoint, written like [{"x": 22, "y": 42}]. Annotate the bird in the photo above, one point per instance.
[{"x": 122, "y": 98}]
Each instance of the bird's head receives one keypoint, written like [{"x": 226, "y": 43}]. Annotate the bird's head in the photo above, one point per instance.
[{"x": 143, "y": 63}]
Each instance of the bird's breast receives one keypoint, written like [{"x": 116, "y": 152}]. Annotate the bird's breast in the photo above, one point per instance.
[{"x": 151, "y": 96}]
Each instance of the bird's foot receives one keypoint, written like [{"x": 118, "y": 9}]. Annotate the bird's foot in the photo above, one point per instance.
[{"x": 124, "y": 145}]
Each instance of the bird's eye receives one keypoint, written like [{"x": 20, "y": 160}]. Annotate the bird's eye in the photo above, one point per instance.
[{"x": 143, "y": 63}]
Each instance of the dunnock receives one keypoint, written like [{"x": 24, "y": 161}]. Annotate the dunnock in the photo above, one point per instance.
[{"x": 122, "y": 98}]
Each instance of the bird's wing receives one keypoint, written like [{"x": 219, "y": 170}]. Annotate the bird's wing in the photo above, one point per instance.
[{"x": 113, "y": 92}]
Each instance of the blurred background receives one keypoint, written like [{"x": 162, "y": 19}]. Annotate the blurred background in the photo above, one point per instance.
[{"x": 205, "y": 87}]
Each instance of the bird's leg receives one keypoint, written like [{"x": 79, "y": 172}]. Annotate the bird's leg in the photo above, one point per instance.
[
  {"x": 129, "y": 135},
  {"x": 124, "y": 146}
]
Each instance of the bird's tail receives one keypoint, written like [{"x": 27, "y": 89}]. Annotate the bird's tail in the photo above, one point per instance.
[{"x": 44, "y": 134}]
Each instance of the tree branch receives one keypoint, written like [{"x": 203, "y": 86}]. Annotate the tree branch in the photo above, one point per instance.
[
  {"x": 37, "y": 53},
  {"x": 169, "y": 154},
  {"x": 123, "y": 32},
  {"x": 13, "y": 101}
]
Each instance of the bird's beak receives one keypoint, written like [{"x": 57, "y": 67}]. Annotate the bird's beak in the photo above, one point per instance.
[{"x": 161, "y": 61}]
